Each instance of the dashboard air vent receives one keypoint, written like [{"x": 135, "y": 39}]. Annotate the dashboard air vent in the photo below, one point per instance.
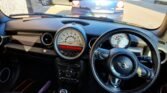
[
  {"x": 74, "y": 21},
  {"x": 163, "y": 56},
  {"x": 47, "y": 39}
]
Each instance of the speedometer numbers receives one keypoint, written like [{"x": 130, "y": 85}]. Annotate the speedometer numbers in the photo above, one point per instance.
[
  {"x": 70, "y": 43},
  {"x": 70, "y": 40},
  {"x": 119, "y": 40}
]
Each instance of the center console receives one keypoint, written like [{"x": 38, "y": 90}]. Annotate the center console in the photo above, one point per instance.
[{"x": 69, "y": 74}]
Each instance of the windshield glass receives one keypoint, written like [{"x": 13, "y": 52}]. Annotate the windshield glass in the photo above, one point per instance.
[{"x": 144, "y": 13}]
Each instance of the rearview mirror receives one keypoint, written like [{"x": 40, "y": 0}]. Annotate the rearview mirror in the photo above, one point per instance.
[{"x": 55, "y": 2}]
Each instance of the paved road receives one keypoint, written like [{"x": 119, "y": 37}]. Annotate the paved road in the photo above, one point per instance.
[{"x": 144, "y": 13}]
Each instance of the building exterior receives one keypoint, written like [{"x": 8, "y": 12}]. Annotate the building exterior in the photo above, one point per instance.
[{"x": 13, "y": 7}]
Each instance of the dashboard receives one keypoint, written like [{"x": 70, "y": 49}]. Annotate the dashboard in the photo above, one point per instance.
[
  {"x": 69, "y": 38},
  {"x": 68, "y": 43}
]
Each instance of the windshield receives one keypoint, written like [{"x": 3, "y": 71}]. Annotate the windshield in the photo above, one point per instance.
[{"x": 144, "y": 13}]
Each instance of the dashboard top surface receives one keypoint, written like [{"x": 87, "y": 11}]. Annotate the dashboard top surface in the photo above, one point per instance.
[
  {"x": 91, "y": 27},
  {"x": 35, "y": 28}
]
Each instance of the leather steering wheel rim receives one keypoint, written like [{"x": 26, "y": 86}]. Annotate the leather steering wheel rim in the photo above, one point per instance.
[{"x": 139, "y": 33}]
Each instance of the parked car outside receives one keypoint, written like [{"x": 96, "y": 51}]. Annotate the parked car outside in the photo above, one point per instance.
[
  {"x": 161, "y": 1},
  {"x": 98, "y": 8}
]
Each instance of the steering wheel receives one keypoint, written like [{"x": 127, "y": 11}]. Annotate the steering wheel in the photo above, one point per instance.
[{"x": 124, "y": 65}]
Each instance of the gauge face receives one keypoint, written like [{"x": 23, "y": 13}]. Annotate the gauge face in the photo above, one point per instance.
[
  {"x": 70, "y": 43},
  {"x": 119, "y": 40}
]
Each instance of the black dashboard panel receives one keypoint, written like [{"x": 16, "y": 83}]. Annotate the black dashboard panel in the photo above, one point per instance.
[
  {"x": 2, "y": 29},
  {"x": 26, "y": 35},
  {"x": 91, "y": 27},
  {"x": 53, "y": 24},
  {"x": 29, "y": 42}
]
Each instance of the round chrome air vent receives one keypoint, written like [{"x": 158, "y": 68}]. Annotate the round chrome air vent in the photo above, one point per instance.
[
  {"x": 91, "y": 42},
  {"x": 1, "y": 40},
  {"x": 163, "y": 56},
  {"x": 5, "y": 75},
  {"x": 47, "y": 39}
]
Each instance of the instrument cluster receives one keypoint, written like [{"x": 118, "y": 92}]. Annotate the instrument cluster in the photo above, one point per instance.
[{"x": 70, "y": 41}]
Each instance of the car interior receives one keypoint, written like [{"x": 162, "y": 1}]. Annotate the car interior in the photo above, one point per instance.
[{"x": 47, "y": 53}]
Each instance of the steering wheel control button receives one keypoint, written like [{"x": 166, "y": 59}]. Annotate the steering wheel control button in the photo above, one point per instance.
[{"x": 139, "y": 72}]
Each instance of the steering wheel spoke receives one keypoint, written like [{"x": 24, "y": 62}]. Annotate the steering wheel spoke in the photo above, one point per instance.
[
  {"x": 145, "y": 59},
  {"x": 145, "y": 72},
  {"x": 115, "y": 82},
  {"x": 101, "y": 53}
]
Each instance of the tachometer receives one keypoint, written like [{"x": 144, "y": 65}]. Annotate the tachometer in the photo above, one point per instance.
[
  {"x": 70, "y": 43},
  {"x": 119, "y": 40}
]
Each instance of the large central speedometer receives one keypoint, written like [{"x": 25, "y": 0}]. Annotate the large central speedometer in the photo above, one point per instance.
[{"x": 70, "y": 42}]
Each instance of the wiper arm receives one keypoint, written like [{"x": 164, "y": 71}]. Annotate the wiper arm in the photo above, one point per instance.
[
  {"x": 42, "y": 15},
  {"x": 97, "y": 18}
]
